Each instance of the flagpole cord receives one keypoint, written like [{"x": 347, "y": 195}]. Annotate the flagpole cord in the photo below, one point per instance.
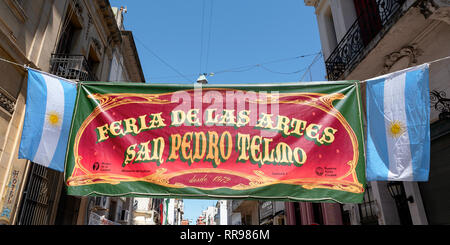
[
  {"x": 434, "y": 61},
  {"x": 27, "y": 67},
  {"x": 14, "y": 63},
  {"x": 431, "y": 62}
]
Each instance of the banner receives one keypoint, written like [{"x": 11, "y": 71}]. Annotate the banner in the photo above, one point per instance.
[{"x": 297, "y": 142}]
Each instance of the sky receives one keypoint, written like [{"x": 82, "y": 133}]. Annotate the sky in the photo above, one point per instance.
[
  {"x": 232, "y": 41},
  {"x": 251, "y": 41}
]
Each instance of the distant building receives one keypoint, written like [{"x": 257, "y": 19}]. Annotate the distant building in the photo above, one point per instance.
[
  {"x": 244, "y": 212},
  {"x": 221, "y": 216},
  {"x": 272, "y": 213},
  {"x": 146, "y": 211},
  {"x": 210, "y": 213},
  {"x": 173, "y": 210},
  {"x": 200, "y": 220}
]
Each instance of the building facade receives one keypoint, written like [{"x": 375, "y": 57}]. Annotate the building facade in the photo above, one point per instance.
[
  {"x": 362, "y": 39},
  {"x": 173, "y": 210},
  {"x": 247, "y": 212},
  {"x": 244, "y": 212},
  {"x": 221, "y": 216},
  {"x": 146, "y": 211},
  {"x": 75, "y": 39},
  {"x": 272, "y": 213},
  {"x": 209, "y": 215}
]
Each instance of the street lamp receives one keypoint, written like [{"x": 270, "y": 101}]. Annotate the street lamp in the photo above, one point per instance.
[
  {"x": 202, "y": 79},
  {"x": 397, "y": 192}
]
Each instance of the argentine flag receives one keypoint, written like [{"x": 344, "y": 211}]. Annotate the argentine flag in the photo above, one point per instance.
[
  {"x": 48, "y": 115},
  {"x": 398, "y": 126}
]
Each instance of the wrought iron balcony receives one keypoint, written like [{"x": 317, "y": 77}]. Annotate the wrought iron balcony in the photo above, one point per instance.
[
  {"x": 368, "y": 25},
  {"x": 440, "y": 103},
  {"x": 74, "y": 67}
]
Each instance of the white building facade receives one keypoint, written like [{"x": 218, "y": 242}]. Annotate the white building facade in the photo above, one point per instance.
[
  {"x": 173, "y": 211},
  {"x": 221, "y": 216},
  {"x": 362, "y": 39}
]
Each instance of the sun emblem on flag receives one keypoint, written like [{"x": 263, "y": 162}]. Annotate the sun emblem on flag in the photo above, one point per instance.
[
  {"x": 396, "y": 128},
  {"x": 54, "y": 118}
]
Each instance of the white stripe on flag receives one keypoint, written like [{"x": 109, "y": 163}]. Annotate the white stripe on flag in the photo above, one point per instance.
[
  {"x": 51, "y": 131},
  {"x": 400, "y": 165}
]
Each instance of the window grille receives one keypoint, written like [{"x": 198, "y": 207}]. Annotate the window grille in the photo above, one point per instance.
[
  {"x": 39, "y": 196},
  {"x": 367, "y": 209}
]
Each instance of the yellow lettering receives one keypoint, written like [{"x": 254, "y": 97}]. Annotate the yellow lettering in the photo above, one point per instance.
[
  {"x": 175, "y": 144},
  {"x": 328, "y": 135},
  {"x": 243, "y": 144},
  {"x": 299, "y": 157},
  {"x": 102, "y": 133},
  {"x": 265, "y": 121},
  {"x": 157, "y": 121},
  {"x": 200, "y": 141},
  {"x": 178, "y": 118},
  {"x": 142, "y": 124},
  {"x": 210, "y": 119},
  {"x": 186, "y": 153},
  {"x": 213, "y": 151},
  {"x": 226, "y": 136},
  {"x": 192, "y": 118},
  {"x": 267, "y": 157},
  {"x": 243, "y": 118},
  {"x": 228, "y": 118},
  {"x": 129, "y": 155},
  {"x": 157, "y": 150},
  {"x": 299, "y": 126},
  {"x": 115, "y": 128},
  {"x": 130, "y": 126},
  {"x": 312, "y": 132},
  {"x": 143, "y": 154},
  {"x": 255, "y": 149},
  {"x": 283, "y": 125}
]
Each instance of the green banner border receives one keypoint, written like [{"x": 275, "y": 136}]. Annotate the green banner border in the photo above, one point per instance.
[{"x": 355, "y": 118}]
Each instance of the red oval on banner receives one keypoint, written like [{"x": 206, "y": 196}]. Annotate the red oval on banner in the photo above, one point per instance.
[{"x": 133, "y": 137}]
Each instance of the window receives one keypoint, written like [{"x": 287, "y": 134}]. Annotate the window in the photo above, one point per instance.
[
  {"x": 317, "y": 213},
  {"x": 369, "y": 20},
  {"x": 367, "y": 209},
  {"x": 330, "y": 30},
  {"x": 93, "y": 61},
  {"x": 112, "y": 210},
  {"x": 70, "y": 30},
  {"x": 298, "y": 218}
]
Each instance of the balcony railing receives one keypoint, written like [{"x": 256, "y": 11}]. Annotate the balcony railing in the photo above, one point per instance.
[
  {"x": 363, "y": 30},
  {"x": 74, "y": 67}
]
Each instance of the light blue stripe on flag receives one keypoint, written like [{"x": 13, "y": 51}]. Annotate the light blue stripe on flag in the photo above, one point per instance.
[
  {"x": 32, "y": 126},
  {"x": 376, "y": 142},
  {"x": 419, "y": 121},
  {"x": 398, "y": 137},
  {"x": 48, "y": 114}
]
